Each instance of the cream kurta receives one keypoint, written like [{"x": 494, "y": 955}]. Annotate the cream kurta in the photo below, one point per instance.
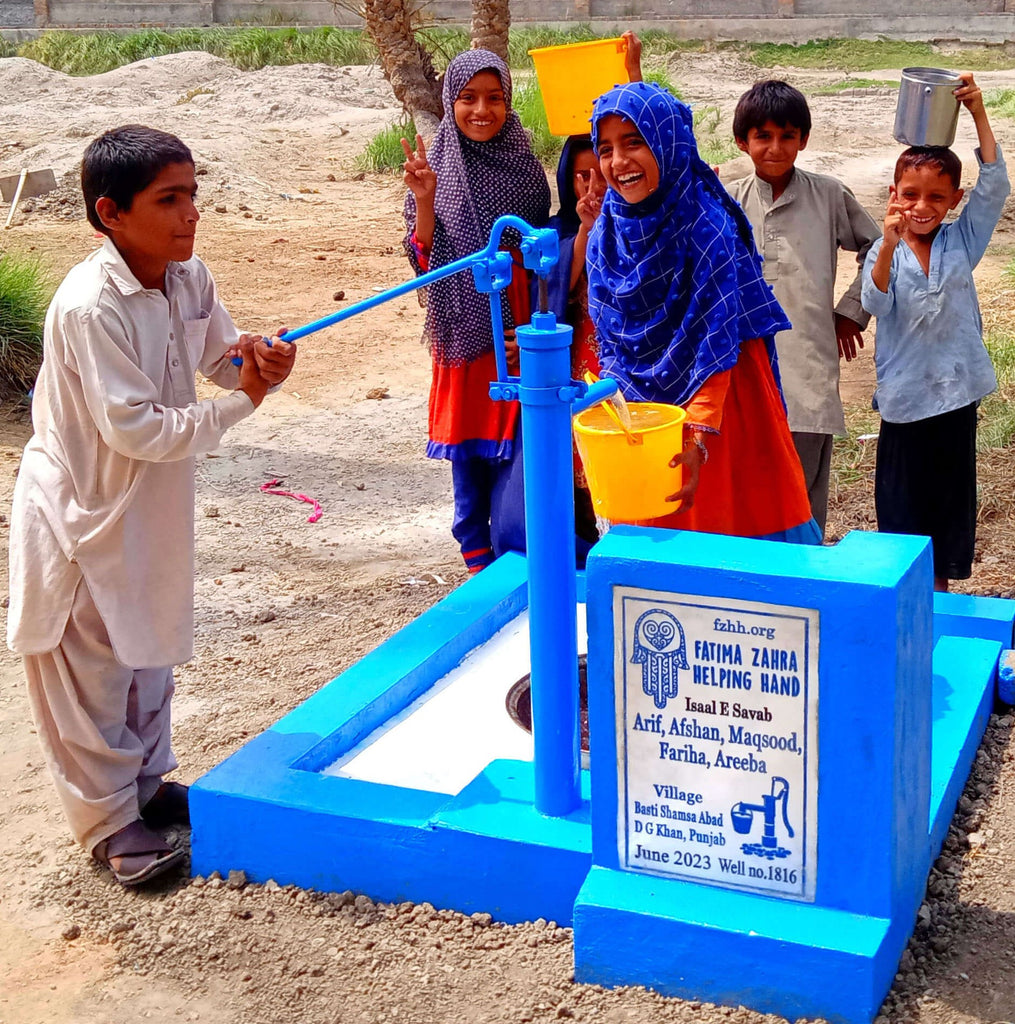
[
  {"x": 106, "y": 485},
  {"x": 799, "y": 235}
]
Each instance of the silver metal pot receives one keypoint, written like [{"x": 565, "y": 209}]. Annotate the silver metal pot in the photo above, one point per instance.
[{"x": 927, "y": 111}]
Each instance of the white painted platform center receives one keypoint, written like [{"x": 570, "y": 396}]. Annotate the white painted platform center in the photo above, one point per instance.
[{"x": 445, "y": 738}]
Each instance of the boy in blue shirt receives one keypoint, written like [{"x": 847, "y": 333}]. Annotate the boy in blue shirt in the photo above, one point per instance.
[{"x": 932, "y": 366}]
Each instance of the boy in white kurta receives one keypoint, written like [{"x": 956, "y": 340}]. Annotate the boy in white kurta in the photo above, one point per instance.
[{"x": 102, "y": 525}]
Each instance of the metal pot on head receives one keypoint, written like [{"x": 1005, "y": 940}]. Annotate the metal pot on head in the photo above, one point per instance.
[{"x": 928, "y": 111}]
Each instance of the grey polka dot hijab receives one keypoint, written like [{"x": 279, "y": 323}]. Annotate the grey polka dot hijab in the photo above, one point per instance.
[{"x": 477, "y": 182}]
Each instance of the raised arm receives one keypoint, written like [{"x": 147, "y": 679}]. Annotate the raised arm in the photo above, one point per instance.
[
  {"x": 421, "y": 179},
  {"x": 970, "y": 96}
]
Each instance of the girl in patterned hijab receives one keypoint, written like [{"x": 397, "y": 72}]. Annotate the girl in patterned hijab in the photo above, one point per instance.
[
  {"x": 684, "y": 316},
  {"x": 479, "y": 167}
]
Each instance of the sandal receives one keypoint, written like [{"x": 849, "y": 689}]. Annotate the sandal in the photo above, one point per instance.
[
  {"x": 140, "y": 853},
  {"x": 169, "y": 806}
]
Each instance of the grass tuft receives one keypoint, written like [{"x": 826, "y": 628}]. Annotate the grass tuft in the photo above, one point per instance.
[
  {"x": 384, "y": 151},
  {"x": 25, "y": 291},
  {"x": 855, "y": 83}
]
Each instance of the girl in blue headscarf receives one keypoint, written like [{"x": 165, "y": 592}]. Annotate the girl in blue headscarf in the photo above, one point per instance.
[{"x": 684, "y": 316}]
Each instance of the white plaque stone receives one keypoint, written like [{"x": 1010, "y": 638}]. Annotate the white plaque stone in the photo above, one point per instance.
[{"x": 717, "y": 736}]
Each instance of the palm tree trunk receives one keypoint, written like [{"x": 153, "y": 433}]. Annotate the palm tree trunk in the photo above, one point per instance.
[
  {"x": 491, "y": 20},
  {"x": 406, "y": 63}
]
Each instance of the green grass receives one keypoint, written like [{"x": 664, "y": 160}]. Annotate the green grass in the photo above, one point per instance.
[
  {"x": 25, "y": 291},
  {"x": 713, "y": 147},
  {"x": 1002, "y": 102},
  {"x": 384, "y": 151},
  {"x": 247, "y": 48},
  {"x": 869, "y": 55},
  {"x": 997, "y": 411},
  {"x": 260, "y": 45},
  {"x": 853, "y": 459},
  {"x": 528, "y": 101},
  {"x": 855, "y": 83}
]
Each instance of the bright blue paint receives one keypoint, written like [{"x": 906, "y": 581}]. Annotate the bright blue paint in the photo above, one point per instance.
[
  {"x": 965, "y": 671},
  {"x": 546, "y": 424},
  {"x": 987, "y": 618},
  {"x": 883, "y": 801}
]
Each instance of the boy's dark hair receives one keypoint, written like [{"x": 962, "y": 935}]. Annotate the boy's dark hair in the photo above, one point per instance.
[
  {"x": 124, "y": 161},
  {"x": 941, "y": 157},
  {"x": 771, "y": 100}
]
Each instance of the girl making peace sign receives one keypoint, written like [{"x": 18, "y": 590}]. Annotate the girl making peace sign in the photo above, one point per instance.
[{"x": 479, "y": 167}]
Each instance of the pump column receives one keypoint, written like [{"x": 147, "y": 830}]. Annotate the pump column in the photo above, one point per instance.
[{"x": 545, "y": 395}]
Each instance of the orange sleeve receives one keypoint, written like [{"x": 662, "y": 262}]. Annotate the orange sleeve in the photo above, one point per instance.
[{"x": 704, "y": 410}]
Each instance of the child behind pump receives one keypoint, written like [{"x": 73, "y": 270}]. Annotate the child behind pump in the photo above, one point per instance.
[
  {"x": 932, "y": 366},
  {"x": 684, "y": 316},
  {"x": 480, "y": 166},
  {"x": 800, "y": 221},
  {"x": 102, "y": 523}
]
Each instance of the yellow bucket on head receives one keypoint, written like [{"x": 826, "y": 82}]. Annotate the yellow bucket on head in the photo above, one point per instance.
[
  {"x": 630, "y": 477},
  {"x": 573, "y": 77}
]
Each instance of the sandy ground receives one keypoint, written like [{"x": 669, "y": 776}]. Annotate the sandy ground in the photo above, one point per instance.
[{"x": 291, "y": 233}]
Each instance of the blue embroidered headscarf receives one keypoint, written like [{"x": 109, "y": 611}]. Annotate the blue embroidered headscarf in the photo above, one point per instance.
[{"x": 675, "y": 281}]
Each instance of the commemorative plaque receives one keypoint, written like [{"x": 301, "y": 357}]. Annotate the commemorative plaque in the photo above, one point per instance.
[{"x": 717, "y": 718}]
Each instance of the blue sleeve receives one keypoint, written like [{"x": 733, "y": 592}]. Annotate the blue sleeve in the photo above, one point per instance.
[
  {"x": 983, "y": 209},
  {"x": 873, "y": 299}
]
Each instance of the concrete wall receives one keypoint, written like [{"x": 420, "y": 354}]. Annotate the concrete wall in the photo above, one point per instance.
[{"x": 988, "y": 21}]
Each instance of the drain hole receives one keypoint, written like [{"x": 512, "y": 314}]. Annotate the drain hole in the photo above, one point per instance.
[{"x": 519, "y": 702}]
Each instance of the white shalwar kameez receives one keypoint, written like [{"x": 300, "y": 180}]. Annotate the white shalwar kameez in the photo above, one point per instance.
[{"x": 102, "y": 525}]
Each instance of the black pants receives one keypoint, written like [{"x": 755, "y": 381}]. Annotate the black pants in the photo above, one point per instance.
[{"x": 925, "y": 483}]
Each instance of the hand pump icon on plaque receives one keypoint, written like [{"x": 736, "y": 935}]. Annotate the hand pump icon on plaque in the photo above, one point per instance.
[
  {"x": 742, "y": 816},
  {"x": 661, "y": 650}
]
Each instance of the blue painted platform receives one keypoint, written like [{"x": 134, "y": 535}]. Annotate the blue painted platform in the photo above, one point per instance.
[{"x": 272, "y": 811}]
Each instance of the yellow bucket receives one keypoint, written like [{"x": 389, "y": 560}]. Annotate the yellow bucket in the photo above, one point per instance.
[
  {"x": 572, "y": 77},
  {"x": 630, "y": 477}
]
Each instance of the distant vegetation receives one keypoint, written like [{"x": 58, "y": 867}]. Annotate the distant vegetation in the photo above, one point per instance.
[
  {"x": 259, "y": 46},
  {"x": 25, "y": 291}
]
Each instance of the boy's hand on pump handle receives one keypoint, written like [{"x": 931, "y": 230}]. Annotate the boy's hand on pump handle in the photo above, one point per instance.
[{"x": 264, "y": 366}]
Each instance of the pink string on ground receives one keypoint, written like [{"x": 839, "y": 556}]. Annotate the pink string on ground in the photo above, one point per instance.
[{"x": 270, "y": 488}]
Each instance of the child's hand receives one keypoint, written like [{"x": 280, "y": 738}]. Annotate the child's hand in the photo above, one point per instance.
[
  {"x": 590, "y": 198},
  {"x": 896, "y": 221},
  {"x": 275, "y": 361},
  {"x": 969, "y": 94},
  {"x": 252, "y": 384},
  {"x": 849, "y": 335},
  {"x": 692, "y": 458},
  {"x": 420, "y": 178},
  {"x": 632, "y": 56},
  {"x": 511, "y": 351}
]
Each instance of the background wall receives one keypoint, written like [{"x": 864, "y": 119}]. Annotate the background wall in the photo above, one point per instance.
[{"x": 790, "y": 20}]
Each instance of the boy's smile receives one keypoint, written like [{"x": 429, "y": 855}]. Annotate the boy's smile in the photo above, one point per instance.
[
  {"x": 481, "y": 108},
  {"x": 625, "y": 159},
  {"x": 160, "y": 225},
  {"x": 927, "y": 195},
  {"x": 773, "y": 150}
]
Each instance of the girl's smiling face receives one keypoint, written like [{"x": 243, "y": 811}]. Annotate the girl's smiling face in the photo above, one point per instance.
[
  {"x": 625, "y": 159},
  {"x": 481, "y": 107}
]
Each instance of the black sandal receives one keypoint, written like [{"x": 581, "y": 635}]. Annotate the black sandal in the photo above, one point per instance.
[
  {"x": 169, "y": 806},
  {"x": 142, "y": 855}
]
